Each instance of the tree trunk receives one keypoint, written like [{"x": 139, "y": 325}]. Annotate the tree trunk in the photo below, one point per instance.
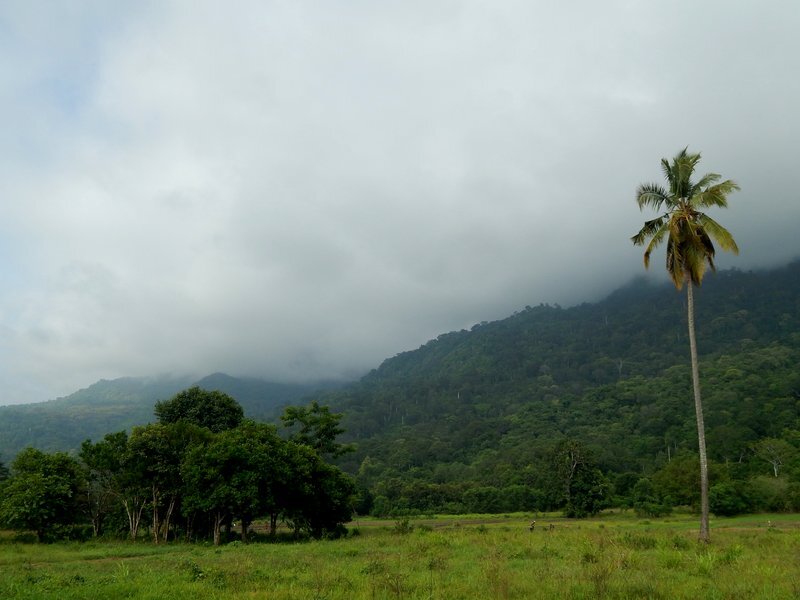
[
  {"x": 167, "y": 518},
  {"x": 245, "y": 525},
  {"x": 156, "y": 520},
  {"x": 273, "y": 524},
  {"x": 218, "y": 520},
  {"x": 133, "y": 508},
  {"x": 698, "y": 408}
]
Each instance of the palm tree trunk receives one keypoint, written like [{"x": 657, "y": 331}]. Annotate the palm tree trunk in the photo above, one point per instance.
[{"x": 698, "y": 407}]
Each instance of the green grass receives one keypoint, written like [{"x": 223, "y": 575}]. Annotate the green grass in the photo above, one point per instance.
[{"x": 617, "y": 556}]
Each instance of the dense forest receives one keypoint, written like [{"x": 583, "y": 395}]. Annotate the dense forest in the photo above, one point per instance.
[
  {"x": 575, "y": 409},
  {"x": 482, "y": 413}
]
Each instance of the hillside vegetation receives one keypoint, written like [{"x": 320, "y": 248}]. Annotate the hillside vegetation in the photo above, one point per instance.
[
  {"x": 120, "y": 404},
  {"x": 485, "y": 420},
  {"x": 482, "y": 412}
]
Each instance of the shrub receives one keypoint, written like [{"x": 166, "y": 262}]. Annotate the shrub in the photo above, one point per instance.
[
  {"x": 729, "y": 498},
  {"x": 403, "y": 527},
  {"x": 652, "y": 509}
]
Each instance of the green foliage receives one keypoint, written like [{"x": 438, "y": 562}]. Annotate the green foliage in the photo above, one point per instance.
[
  {"x": 43, "y": 494},
  {"x": 238, "y": 474},
  {"x": 317, "y": 427},
  {"x": 321, "y": 495},
  {"x": 154, "y": 456},
  {"x": 213, "y": 410},
  {"x": 121, "y": 404},
  {"x": 103, "y": 467},
  {"x": 688, "y": 231},
  {"x": 646, "y": 502},
  {"x": 403, "y": 527},
  {"x": 585, "y": 487},
  {"x": 485, "y": 407},
  {"x": 727, "y": 499}
]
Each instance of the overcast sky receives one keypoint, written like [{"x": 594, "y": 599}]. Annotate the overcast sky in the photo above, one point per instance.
[{"x": 298, "y": 189}]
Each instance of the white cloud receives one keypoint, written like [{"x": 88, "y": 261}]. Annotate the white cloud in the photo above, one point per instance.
[{"x": 296, "y": 189}]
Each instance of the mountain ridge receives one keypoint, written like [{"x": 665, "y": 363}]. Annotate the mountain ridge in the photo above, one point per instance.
[
  {"x": 110, "y": 405},
  {"x": 532, "y": 367}
]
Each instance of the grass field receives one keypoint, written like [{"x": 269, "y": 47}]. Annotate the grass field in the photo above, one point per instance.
[{"x": 615, "y": 556}]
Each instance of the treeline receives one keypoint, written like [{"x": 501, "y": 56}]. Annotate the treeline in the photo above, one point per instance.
[
  {"x": 638, "y": 432},
  {"x": 190, "y": 475},
  {"x": 567, "y": 478}
]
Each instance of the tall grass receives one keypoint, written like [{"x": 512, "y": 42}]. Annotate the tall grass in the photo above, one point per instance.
[{"x": 611, "y": 558}]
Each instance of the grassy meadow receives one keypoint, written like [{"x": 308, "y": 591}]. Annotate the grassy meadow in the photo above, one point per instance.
[{"x": 614, "y": 556}]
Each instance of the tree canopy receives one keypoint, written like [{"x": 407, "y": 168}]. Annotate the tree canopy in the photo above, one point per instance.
[
  {"x": 213, "y": 410},
  {"x": 43, "y": 493}
]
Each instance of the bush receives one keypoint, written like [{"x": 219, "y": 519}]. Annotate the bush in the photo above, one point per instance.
[
  {"x": 403, "y": 527},
  {"x": 769, "y": 493},
  {"x": 653, "y": 510},
  {"x": 381, "y": 506},
  {"x": 728, "y": 499}
]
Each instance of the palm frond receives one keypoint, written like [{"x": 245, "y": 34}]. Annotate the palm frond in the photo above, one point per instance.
[
  {"x": 695, "y": 259},
  {"x": 705, "y": 181},
  {"x": 667, "y": 169},
  {"x": 651, "y": 194},
  {"x": 674, "y": 263},
  {"x": 718, "y": 233},
  {"x": 649, "y": 229},
  {"x": 682, "y": 169},
  {"x": 716, "y": 195},
  {"x": 655, "y": 241}
]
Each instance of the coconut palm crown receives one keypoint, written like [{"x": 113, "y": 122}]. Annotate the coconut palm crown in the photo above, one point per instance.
[{"x": 688, "y": 231}]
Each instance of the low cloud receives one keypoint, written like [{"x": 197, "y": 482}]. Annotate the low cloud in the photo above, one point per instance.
[{"x": 299, "y": 191}]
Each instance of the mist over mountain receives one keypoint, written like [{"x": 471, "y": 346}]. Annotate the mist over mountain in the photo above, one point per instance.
[
  {"x": 486, "y": 404},
  {"x": 113, "y": 405},
  {"x": 481, "y": 404}
]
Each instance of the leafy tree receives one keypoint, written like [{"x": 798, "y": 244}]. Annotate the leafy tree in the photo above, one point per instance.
[
  {"x": 103, "y": 464},
  {"x": 155, "y": 454},
  {"x": 317, "y": 427},
  {"x": 676, "y": 483},
  {"x": 43, "y": 493},
  {"x": 134, "y": 488},
  {"x": 3, "y": 471},
  {"x": 216, "y": 480},
  {"x": 729, "y": 498},
  {"x": 688, "y": 233},
  {"x": 585, "y": 488},
  {"x": 319, "y": 499},
  {"x": 237, "y": 474},
  {"x": 645, "y": 501},
  {"x": 213, "y": 410},
  {"x": 485, "y": 499}
]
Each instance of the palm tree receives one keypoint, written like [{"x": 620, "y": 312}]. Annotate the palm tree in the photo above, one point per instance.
[{"x": 689, "y": 233}]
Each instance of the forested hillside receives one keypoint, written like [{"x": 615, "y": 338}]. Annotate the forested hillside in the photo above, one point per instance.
[
  {"x": 488, "y": 407},
  {"x": 483, "y": 420}
]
